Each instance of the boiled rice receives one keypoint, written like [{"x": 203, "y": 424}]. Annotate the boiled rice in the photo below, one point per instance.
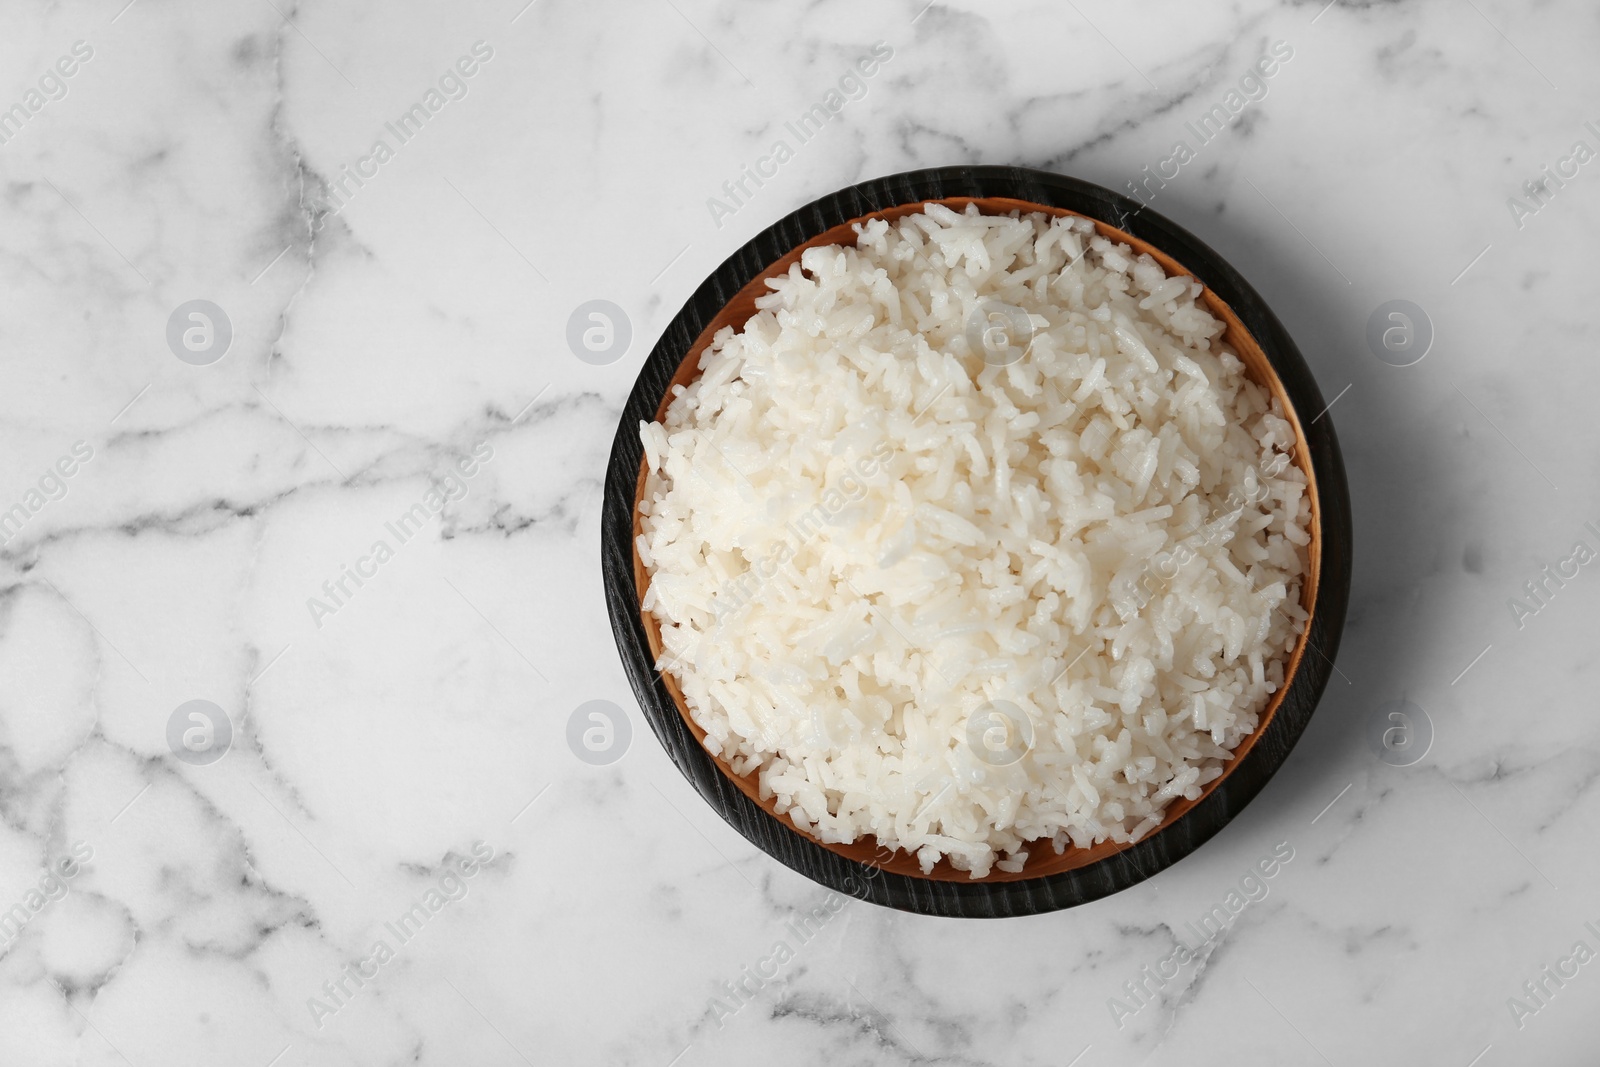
[{"x": 963, "y": 592}]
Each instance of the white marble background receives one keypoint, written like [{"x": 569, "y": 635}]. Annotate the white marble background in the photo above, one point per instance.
[{"x": 373, "y": 347}]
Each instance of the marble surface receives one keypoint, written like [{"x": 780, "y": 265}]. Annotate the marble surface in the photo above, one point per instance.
[{"x": 402, "y": 743}]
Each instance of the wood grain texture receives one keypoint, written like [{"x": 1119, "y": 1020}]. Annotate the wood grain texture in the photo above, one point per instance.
[{"x": 1049, "y": 880}]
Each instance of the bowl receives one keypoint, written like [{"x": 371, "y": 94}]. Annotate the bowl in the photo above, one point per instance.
[{"x": 1049, "y": 880}]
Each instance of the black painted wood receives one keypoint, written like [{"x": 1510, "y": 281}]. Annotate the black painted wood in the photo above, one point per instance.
[{"x": 977, "y": 899}]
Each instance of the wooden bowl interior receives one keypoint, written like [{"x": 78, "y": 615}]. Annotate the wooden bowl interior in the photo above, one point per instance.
[{"x": 1042, "y": 860}]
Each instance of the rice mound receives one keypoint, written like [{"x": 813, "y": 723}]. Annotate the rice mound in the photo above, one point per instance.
[{"x": 960, "y": 596}]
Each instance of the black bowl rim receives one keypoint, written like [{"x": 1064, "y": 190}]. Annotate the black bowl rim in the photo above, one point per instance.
[{"x": 976, "y": 899}]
